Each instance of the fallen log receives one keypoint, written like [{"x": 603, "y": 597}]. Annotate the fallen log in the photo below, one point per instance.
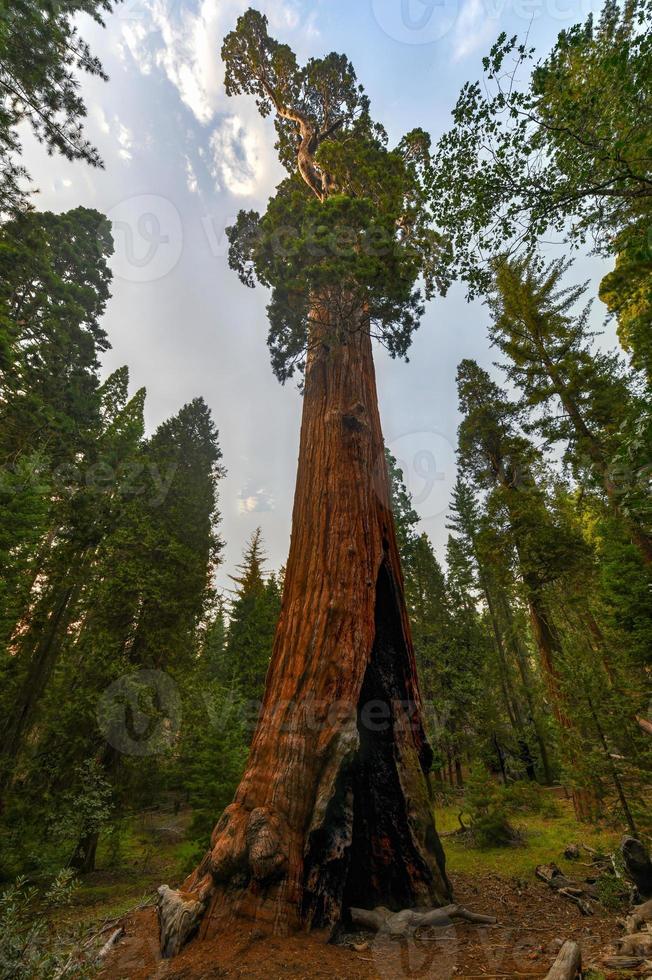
[
  {"x": 404, "y": 923},
  {"x": 637, "y": 944},
  {"x": 110, "y": 943},
  {"x": 574, "y": 891},
  {"x": 639, "y": 917},
  {"x": 623, "y": 962},
  {"x": 556, "y": 879},
  {"x": 568, "y": 964}
]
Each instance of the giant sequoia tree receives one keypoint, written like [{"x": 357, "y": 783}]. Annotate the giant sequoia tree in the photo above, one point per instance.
[{"x": 334, "y": 807}]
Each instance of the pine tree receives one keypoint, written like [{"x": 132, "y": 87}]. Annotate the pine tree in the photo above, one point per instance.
[
  {"x": 146, "y": 594},
  {"x": 495, "y": 454},
  {"x": 581, "y": 394},
  {"x": 252, "y": 622},
  {"x": 487, "y": 575},
  {"x": 40, "y": 53},
  {"x": 54, "y": 285}
]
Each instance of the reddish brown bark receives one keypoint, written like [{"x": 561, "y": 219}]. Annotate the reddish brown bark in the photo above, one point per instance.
[{"x": 334, "y": 807}]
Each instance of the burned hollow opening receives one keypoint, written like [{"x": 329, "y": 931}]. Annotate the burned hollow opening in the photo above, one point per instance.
[{"x": 364, "y": 853}]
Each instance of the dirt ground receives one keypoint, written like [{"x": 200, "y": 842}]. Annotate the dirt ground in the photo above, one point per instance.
[{"x": 532, "y": 921}]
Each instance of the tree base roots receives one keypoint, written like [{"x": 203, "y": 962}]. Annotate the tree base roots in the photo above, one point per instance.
[{"x": 403, "y": 924}]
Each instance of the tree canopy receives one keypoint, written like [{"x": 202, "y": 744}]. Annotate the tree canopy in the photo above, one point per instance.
[
  {"x": 351, "y": 221},
  {"x": 567, "y": 152},
  {"x": 41, "y": 52}
]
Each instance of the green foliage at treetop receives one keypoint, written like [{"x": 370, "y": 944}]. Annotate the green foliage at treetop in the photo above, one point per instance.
[
  {"x": 351, "y": 221},
  {"x": 566, "y": 151},
  {"x": 41, "y": 53}
]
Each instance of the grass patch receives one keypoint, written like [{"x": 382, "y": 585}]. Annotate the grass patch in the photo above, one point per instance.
[
  {"x": 146, "y": 857},
  {"x": 545, "y": 839}
]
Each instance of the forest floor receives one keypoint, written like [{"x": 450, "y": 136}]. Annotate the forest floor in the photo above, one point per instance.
[{"x": 532, "y": 920}]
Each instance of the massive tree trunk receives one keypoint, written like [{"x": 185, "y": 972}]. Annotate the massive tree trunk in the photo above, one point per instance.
[{"x": 334, "y": 808}]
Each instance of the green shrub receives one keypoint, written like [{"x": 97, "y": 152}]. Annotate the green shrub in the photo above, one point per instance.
[
  {"x": 83, "y": 809},
  {"x": 486, "y": 804},
  {"x": 528, "y": 797},
  {"x": 30, "y": 948},
  {"x": 189, "y": 854},
  {"x": 612, "y": 892}
]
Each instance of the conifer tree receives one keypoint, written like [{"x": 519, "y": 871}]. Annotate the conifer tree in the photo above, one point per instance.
[
  {"x": 252, "y": 623},
  {"x": 146, "y": 593},
  {"x": 581, "y": 394},
  {"x": 481, "y": 547},
  {"x": 41, "y": 52},
  {"x": 359, "y": 239},
  {"x": 54, "y": 285},
  {"x": 498, "y": 457}
]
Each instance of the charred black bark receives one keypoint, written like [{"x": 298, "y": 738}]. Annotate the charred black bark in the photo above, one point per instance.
[{"x": 367, "y": 852}]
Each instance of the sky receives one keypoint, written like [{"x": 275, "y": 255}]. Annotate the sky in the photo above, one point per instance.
[{"x": 181, "y": 159}]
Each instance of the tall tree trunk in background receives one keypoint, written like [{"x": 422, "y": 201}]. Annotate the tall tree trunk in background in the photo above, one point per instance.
[
  {"x": 510, "y": 696},
  {"x": 527, "y": 680},
  {"x": 44, "y": 655},
  {"x": 334, "y": 808},
  {"x": 549, "y": 646}
]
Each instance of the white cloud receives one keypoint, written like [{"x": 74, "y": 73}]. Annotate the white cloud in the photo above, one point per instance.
[
  {"x": 475, "y": 25},
  {"x": 192, "y": 182},
  {"x": 134, "y": 35},
  {"x": 102, "y": 121},
  {"x": 252, "y": 500},
  {"x": 117, "y": 131},
  {"x": 186, "y": 45},
  {"x": 237, "y": 159},
  {"x": 182, "y": 42},
  {"x": 125, "y": 140}
]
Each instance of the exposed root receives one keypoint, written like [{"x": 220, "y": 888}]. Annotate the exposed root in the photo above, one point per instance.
[
  {"x": 402, "y": 924},
  {"x": 179, "y": 915}
]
